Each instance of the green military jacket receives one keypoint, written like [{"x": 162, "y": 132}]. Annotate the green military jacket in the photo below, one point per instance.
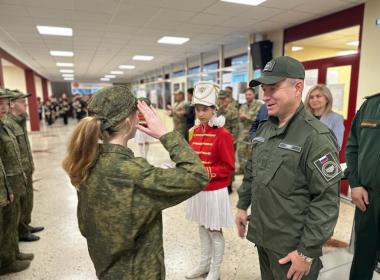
[
  {"x": 232, "y": 119},
  {"x": 10, "y": 155},
  {"x": 179, "y": 120},
  {"x": 249, "y": 110},
  {"x": 119, "y": 208},
  {"x": 4, "y": 187},
  {"x": 363, "y": 146},
  {"x": 292, "y": 184},
  {"x": 17, "y": 124}
]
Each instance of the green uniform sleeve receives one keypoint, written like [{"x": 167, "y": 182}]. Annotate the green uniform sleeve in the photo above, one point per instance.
[
  {"x": 352, "y": 151},
  {"x": 323, "y": 174},
  {"x": 244, "y": 191},
  {"x": 168, "y": 187}
]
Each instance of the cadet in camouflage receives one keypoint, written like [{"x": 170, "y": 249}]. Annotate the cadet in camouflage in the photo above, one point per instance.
[
  {"x": 16, "y": 122},
  {"x": 11, "y": 260},
  {"x": 247, "y": 115},
  {"x": 178, "y": 112},
  {"x": 121, "y": 197},
  {"x": 231, "y": 114},
  {"x": 291, "y": 180}
]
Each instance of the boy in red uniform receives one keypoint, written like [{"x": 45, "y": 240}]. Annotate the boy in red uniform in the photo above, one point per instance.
[{"x": 210, "y": 208}]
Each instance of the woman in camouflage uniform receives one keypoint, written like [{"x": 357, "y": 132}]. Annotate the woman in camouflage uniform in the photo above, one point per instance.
[{"x": 121, "y": 197}]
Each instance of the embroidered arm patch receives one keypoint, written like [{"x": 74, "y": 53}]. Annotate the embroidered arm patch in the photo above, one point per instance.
[{"x": 328, "y": 167}]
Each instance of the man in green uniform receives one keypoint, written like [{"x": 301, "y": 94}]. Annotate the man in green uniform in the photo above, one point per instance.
[
  {"x": 229, "y": 91},
  {"x": 11, "y": 259},
  {"x": 16, "y": 122},
  {"x": 363, "y": 172},
  {"x": 231, "y": 114},
  {"x": 291, "y": 180},
  {"x": 178, "y": 112},
  {"x": 247, "y": 115}
]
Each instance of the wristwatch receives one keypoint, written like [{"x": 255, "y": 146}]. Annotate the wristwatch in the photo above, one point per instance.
[{"x": 305, "y": 258}]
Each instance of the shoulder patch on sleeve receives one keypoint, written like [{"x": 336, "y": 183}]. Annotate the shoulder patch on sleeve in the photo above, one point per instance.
[{"x": 328, "y": 167}]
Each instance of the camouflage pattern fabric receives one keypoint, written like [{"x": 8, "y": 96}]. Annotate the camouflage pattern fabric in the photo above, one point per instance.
[
  {"x": 111, "y": 105},
  {"x": 17, "y": 124},
  {"x": 232, "y": 119},
  {"x": 244, "y": 145},
  {"x": 179, "y": 118},
  {"x": 4, "y": 190},
  {"x": 119, "y": 207}
]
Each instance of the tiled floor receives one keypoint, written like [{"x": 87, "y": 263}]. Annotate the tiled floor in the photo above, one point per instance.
[{"x": 62, "y": 253}]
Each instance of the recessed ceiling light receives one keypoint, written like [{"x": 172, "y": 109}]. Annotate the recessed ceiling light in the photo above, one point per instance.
[
  {"x": 66, "y": 71},
  {"x": 69, "y": 78},
  {"x": 67, "y": 75},
  {"x": 143, "y": 57},
  {"x": 105, "y": 79},
  {"x": 55, "y": 30},
  {"x": 173, "y": 40},
  {"x": 117, "y": 72},
  {"x": 348, "y": 52},
  {"x": 353, "y": 43},
  {"x": 64, "y": 64},
  {"x": 61, "y": 53},
  {"x": 129, "y": 67},
  {"x": 296, "y": 49},
  {"x": 245, "y": 2},
  {"x": 110, "y": 76}
]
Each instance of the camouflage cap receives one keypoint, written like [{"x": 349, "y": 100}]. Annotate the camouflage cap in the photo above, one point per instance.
[
  {"x": 16, "y": 94},
  {"x": 223, "y": 94},
  {"x": 279, "y": 69},
  {"x": 4, "y": 93},
  {"x": 145, "y": 99},
  {"x": 111, "y": 105}
]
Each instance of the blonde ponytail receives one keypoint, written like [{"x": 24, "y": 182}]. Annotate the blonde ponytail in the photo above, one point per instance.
[{"x": 83, "y": 150}]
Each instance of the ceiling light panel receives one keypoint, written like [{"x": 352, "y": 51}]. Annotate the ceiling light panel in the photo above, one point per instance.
[
  {"x": 245, "y": 2},
  {"x": 64, "y": 64},
  {"x": 143, "y": 57},
  {"x": 173, "y": 40},
  {"x": 353, "y": 43},
  {"x": 67, "y": 75},
  {"x": 110, "y": 76},
  {"x": 117, "y": 72},
  {"x": 127, "y": 67},
  {"x": 66, "y": 71},
  {"x": 69, "y": 78},
  {"x": 55, "y": 30},
  {"x": 61, "y": 53},
  {"x": 105, "y": 79},
  {"x": 296, "y": 49}
]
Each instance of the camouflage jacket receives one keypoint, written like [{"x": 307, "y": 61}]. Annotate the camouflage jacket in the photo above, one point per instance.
[
  {"x": 10, "y": 155},
  {"x": 17, "y": 124},
  {"x": 179, "y": 117},
  {"x": 4, "y": 187},
  {"x": 250, "y": 111},
  {"x": 232, "y": 119},
  {"x": 119, "y": 208}
]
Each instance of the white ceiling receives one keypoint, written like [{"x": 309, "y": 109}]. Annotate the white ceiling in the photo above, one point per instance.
[{"x": 108, "y": 33}]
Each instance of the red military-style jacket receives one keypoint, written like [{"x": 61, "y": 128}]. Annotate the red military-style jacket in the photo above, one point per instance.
[{"x": 215, "y": 148}]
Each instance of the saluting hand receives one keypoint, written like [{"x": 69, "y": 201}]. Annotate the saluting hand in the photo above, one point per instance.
[
  {"x": 360, "y": 197},
  {"x": 299, "y": 267},
  {"x": 155, "y": 127}
]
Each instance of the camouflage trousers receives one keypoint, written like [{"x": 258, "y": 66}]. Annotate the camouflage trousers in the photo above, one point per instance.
[
  {"x": 26, "y": 207},
  {"x": 9, "y": 219},
  {"x": 243, "y": 152}
]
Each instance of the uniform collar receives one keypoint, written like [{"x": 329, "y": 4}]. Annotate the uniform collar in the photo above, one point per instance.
[
  {"x": 280, "y": 130},
  {"x": 115, "y": 148}
]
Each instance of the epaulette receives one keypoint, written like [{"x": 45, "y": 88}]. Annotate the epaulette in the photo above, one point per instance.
[
  {"x": 370, "y": 96},
  {"x": 191, "y": 132}
]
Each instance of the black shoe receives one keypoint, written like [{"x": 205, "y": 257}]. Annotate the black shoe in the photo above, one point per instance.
[
  {"x": 35, "y": 229},
  {"x": 29, "y": 238},
  {"x": 24, "y": 257},
  {"x": 14, "y": 267},
  {"x": 229, "y": 189}
]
